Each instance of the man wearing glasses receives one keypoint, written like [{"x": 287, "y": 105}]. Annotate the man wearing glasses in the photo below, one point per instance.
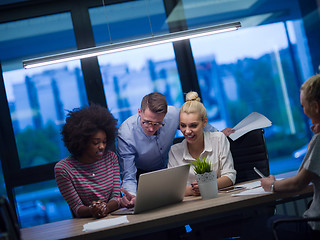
[{"x": 144, "y": 141}]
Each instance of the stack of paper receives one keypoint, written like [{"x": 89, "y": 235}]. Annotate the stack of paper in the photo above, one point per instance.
[
  {"x": 251, "y": 185},
  {"x": 252, "y": 188},
  {"x": 254, "y": 191},
  {"x": 252, "y": 121},
  {"x": 104, "y": 223}
]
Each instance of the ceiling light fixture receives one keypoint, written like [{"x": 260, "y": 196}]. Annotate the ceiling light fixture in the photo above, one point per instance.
[{"x": 123, "y": 46}]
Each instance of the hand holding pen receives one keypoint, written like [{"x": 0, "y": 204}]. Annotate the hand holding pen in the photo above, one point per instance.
[
  {"x": 266, "y": 182},
  {"x": 258, "y": 172}
]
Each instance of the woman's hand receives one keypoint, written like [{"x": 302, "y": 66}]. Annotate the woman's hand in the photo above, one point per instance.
[
  {"x": 267, "y": 182},
  {"x": 99, "y": 209},
  {"x": 228, "y": 131},
  {"x": 195, "y": 189}
]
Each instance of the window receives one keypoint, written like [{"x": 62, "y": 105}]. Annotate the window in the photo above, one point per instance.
[
  {"x": 40, "y": 203},
  {"x": 138, "y": 19},
  {"x": 128, "y": 76},
  {"x": 254, "y": 73},
  {"x": 39, "y": 100}
]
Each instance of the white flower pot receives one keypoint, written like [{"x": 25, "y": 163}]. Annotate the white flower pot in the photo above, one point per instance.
[{"x": 207, "y": 183}]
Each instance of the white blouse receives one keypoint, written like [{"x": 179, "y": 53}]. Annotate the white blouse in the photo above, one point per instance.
[{"x": 216, "y": 150}]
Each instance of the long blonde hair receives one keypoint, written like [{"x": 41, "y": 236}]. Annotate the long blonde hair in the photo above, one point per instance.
[{"x": 193, "y": 105}]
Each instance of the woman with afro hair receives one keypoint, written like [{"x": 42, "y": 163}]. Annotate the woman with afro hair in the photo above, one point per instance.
[{"x": 89, "y": 178}]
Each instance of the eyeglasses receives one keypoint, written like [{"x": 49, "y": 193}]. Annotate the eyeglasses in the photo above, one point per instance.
[{"x": 154, "y": 124}]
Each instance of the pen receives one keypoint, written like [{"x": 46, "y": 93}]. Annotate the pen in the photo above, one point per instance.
[{"x": 258, "y": 172}]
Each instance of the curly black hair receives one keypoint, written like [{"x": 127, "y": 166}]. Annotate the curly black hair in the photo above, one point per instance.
[{"x": 83, "y": 123}]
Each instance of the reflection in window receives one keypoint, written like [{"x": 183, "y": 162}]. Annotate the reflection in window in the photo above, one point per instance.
[
  {"x": 34, "y": 37},
  {"x": 40, "y": 203},
  {"x": 130, "y": 75},
  {"x": 38, "y": 98},
  {"x": 252, "y": 70},
  {"x": 38, "y": 101},
  {"x": 138, "y": 19}
]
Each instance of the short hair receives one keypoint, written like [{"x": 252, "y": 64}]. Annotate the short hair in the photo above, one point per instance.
[
  {"x": 311, "y": 89},
  {"x": 156, "y": 102},
  {"x": 193, "y": 105},
  {"x": 82, "y": 123}
]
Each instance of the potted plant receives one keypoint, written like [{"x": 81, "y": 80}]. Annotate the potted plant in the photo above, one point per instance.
[{"x": 206, "y": 178}]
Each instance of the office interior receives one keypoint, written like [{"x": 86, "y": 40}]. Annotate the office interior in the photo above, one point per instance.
[{"x": 258, "y": 68}]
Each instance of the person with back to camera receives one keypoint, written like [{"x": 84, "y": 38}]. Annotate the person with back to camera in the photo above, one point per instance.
[
  {"x": 89, "y": 179},
  {"x": 144, "y": 140},
  {"x": 200, "y": 144},
  {"x": 309, "y": 171}
]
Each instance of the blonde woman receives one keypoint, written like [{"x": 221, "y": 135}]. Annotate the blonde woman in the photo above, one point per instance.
[
  {"x": 309, "y": 171},
  {"x": 200, "y": 144}
]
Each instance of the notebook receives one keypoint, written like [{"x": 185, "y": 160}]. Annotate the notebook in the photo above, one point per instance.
[{"x": 159, "y": 188}]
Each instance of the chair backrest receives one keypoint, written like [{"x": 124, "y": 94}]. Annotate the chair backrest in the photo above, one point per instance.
[
  {"x": 9, "y": 226},
  {"x": 178, "y": 140},
  {"x": 250, "y": 151}
]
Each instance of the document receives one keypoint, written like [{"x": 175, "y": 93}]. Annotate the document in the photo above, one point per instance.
[
  {"x": 251, "y": 185},
  {"x": 92, "y": 226},
  {"x": 252, "y": 121},
  {"x": 253, "y": 191},
  {"x": 253, "y": 188}
]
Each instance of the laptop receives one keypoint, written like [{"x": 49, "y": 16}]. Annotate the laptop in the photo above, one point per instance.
[{"x": 158, "y": 188}]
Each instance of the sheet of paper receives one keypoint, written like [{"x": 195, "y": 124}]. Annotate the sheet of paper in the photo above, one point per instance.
[
  {"x": 253, "y": 188},
  {"x": 104, "y": 223},
  {"x": 251, "y": 185},
  {"x": 252, "y": 121},
  {"x": 253, "y": 191}
]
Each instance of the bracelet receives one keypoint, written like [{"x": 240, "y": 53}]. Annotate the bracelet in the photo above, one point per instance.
[{"x": 272, "y": 186}]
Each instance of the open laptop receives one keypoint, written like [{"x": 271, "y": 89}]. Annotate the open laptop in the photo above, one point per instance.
[{"x": 158, "y": 188}]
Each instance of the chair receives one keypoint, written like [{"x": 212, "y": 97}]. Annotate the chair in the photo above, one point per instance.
[
  {"x": 9, "y": 227},
  {"x": 278, "y": 222},
  {"x": 178, "y": 140},
  {"x": 249, "y": 151}
]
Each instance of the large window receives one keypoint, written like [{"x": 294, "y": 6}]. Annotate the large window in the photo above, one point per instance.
[
  {"x": 130, "y": 75},
  {"x": 138, "y": 19},
  {"x": 252, "y": 70},
  {"x": 39, "y": 100},
  {"x": 40, "y": 203}
]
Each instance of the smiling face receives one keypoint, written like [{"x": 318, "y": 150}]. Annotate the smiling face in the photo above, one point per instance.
[
  {"x": 150, "y": 121},
  {"x": 95, "y": 148},
  {"x": 192, "y": 126}
]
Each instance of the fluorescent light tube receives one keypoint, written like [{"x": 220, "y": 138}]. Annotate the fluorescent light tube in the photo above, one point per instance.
[{"x": 123, "y": 46}]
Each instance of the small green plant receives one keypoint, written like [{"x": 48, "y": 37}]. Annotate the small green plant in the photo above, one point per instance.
[{"x": 201, "y": 165}]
